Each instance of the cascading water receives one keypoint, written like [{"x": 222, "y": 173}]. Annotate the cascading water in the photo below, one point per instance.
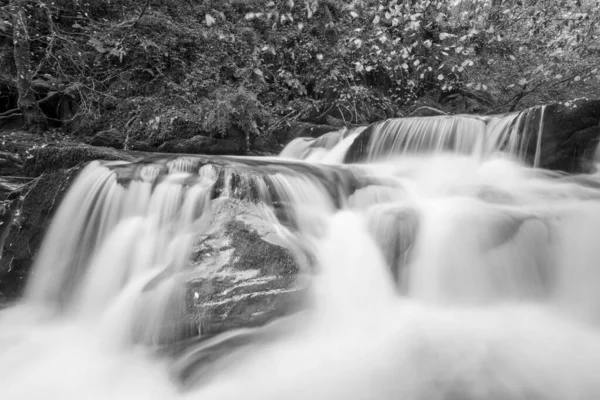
[
  {"x": 462, "y": 274},
  {"x": 517, "y": 134}
]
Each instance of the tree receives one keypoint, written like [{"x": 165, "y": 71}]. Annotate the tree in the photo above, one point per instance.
[{"x": 33, "y": 116}]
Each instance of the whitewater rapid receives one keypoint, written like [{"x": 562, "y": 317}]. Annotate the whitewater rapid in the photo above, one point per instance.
[{"x": 439, "y": 276}]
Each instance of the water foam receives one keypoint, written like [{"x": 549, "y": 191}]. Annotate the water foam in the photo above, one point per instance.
[{"x": 438, "y": 277}]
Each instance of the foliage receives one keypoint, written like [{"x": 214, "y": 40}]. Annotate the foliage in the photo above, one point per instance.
[
  {"x": 237, "y": 108},
  {"x": 252, "y": 65}
]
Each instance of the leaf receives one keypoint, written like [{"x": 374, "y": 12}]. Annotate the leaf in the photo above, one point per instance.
[
  {"x": 4, "y": 25},
  {"x": 209, "y": 19},
  {"x": 523, "y": 82},
  {"x": 77, "y": 26},
  {"x": 376, "y": 20},
  {"x": 353, "y": 14},
  {"x": 359, "y": 67},
  {"x": 577, "y": 78}
]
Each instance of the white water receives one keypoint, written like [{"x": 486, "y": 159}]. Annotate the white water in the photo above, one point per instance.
[
  {"x": 449, "y": 277},
  {"x": 478, "y": 136}
]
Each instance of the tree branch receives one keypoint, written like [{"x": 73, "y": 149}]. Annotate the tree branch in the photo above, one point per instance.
[
  {"x": 142, "y": 12},
  {"x": 9, "y": 112},
  {"x": 19, "y": 114}
]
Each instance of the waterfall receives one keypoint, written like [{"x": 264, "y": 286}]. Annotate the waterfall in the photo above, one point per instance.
[
  {"x": 477, "y": 136},
  {"x": 446, "y": 264}
]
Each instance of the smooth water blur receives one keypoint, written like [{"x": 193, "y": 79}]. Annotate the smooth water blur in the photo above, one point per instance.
[{"x": 442, "y": 277}]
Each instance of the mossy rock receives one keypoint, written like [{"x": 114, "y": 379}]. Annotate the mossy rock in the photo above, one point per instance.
[
  {"x": 53, "y": 158},
  {"x": 245, "y": 275}
]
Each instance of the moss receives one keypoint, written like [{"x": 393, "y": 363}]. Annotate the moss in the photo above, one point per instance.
[
  {"x": 253, "y": 252},
  {"x": 53, "y": 158}
]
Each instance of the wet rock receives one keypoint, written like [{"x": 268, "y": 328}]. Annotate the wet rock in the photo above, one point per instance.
[
  {"x": 570, "y": 136},
  {"x": 30, "y": 203},
  {"x": 244, "y": 273},
  {"x": 30, "y": 216},
  {"x": 53, "y": 158}
]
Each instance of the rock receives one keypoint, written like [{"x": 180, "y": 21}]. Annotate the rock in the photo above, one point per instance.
[
  {"x": 28, "y": 208},
  {"x": 57, "y": 157},
  {"x": 244, "y": 275},
  {"x": 302, "y": 129},
  {"x": 31, "y": 215},
  {"x": 203, "y": 145},
  {"x": 109, "y": 138},
  {"x": 570, "y": 136}
]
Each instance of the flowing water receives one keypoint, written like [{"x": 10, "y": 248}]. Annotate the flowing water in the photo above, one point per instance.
[{"x": 444, "y": 268}]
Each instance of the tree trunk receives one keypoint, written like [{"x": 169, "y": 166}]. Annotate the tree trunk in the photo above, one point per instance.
[{"x": 33, "y": 116}]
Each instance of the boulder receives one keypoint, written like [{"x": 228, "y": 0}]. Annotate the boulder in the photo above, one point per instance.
[
  {"x": 26, "y": 220},
  {"x": 58, "y": 157},
  {"x": 244, "y": 273},
  {"x": 29, "y": 201},
  {"x": 570, "y": 136}
]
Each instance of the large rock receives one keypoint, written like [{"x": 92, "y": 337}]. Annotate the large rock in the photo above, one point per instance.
[
  {"x": 27, "y": 218},
  {"x": 570, "y": 136},
  {"x": 60, "y": 157},
  {"x": 27, "y": 206},
  {"x": 244, "y": 271}
]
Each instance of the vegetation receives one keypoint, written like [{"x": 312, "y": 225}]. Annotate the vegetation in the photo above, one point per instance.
[{"x": 161, "y": 69}]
